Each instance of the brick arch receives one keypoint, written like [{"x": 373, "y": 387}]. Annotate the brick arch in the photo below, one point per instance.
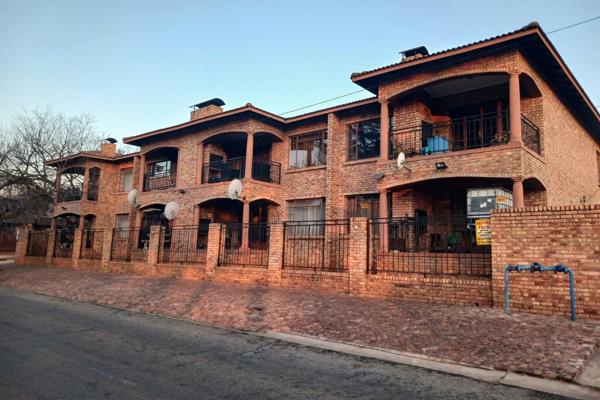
[
  {"x": 147, "y": 205},
  {"x": 159, "y": 147},
  {"x": 217, "y": 197},
  {"x": 272, "y": 133},
  {"x": 535, "y": 192},
  {"x": 220, "y": 133},
  {"x": 393, "y": 185},
  {"x": 438, "y": 79},
  {"x": 267, "y": 198},
  {"x": 530, "y": 84}
]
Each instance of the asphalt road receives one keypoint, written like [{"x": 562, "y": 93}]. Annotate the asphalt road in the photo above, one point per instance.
[{"x": 58, "y": 349}]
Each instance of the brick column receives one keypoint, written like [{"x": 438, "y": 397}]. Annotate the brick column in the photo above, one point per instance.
[
  {"x": 153, "y": 244},
  {"x": 76, "y": 253},
  {"x": 212, "y": 250},
  {"x": 357, "y": 259},
  {"x": 249, "y": 155},
  {"x": 22, "y": 243},
  {"x": 383, "y": 214},
  {"x": 384, "y": 131},
  {"x": 514, "y": 106},
  {"x": 106, "y": 247},
  {"x": 142, "y": 171},
  {"x": 245, "y": 224},
  {"x": 276, "y": 238},
  {"x": 518, "y": 194},
  {"x": 50, "y": 250},
  {"x": 86, "y": 182},
  {"x": 200, "y": 163}
]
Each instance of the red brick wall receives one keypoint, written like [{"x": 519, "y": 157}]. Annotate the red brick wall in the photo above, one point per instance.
[{"x": 569, "y": 235}]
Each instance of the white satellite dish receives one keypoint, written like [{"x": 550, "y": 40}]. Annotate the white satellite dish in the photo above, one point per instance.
[
  {"x": 132, "y": 197},
  {"x": 235, "y": 189},
  {"x": 171, "y": 210},
  {"x": 401, "y": 160}
]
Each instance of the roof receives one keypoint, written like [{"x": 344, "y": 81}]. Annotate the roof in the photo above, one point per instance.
[
  {"x": 93, "y": 155},
  {"x": 533, "y": 44}
]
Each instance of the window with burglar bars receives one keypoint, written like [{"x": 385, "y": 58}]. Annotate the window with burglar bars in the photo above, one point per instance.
[
  {"x": 363, "y": 205},
  {"x": 244, "y": 244},
  {"x": 126, "y": 180},
  {"x": 37, "y": 244},
  {"x": 308, "y": 150},
  {"x": 363, "y": 140},
  {"x": 427, "y": 245},
  {"x": 317, "y": 245}
]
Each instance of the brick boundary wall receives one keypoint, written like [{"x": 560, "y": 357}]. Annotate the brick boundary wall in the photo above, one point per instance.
[{"x": 549, "y": 235}]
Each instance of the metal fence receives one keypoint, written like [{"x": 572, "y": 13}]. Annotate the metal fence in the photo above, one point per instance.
[
  {"x": 530, "y": 134},
  {"x": 424, "y": 245},
  {"x": 91, "y": 244},
  {"x": 268, "y": 171},
  {"x": 8, "y": 240},
  {"x": 225, "y": 170},
  {"x": 317, "y": 245},
  {"x": 244, "y": 244},
  {"x": 37, "y": 244},
  {"x": 184, "y": 244},
  {"x": 63, "y": 243},
  {"x": 130, "y": 244}
]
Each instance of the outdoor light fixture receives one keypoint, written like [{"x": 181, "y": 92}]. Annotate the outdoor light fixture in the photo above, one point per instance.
[{"x": 440, "y": 165}]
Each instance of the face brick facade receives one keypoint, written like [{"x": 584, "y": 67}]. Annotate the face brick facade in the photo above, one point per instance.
[{"x": 503, "y": 113}]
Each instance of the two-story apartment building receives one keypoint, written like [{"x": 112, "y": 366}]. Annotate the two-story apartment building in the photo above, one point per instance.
[{"x": 504, "y": 113}]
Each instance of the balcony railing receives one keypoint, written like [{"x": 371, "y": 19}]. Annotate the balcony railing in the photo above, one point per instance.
[
  {"x": 469, "y": 132},
  {"x": 69, "y": 194},
  {"x": 159, "y": 181},
  {"x": 530, "y": 134},
  {"x": 267, "y": 171},
  {"x": 223, "y": 171}
]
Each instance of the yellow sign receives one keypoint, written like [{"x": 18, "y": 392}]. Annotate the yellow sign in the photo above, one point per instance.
[{"x": 483, "y": 232}]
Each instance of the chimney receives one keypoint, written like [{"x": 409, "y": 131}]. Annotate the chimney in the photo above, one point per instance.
[
  {"x": 108, "y": 147},
  {"x": 413, "y": 54},
  {"x": 206, "y": 108}
]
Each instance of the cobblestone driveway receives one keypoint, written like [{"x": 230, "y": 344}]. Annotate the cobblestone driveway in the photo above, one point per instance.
[{"x": 550, "y": 347}]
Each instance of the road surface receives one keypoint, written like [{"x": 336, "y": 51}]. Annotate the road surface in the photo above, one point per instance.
[{"x": 59, "y": 349}]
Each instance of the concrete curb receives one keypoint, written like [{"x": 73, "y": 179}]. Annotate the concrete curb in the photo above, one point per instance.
[{"x": 415, "y": 360}]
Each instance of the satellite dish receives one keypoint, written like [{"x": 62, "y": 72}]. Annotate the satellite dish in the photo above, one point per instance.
[
  {"x": 401, "y": 160},
  {"x": 132, "y": 197},
  {"x": 171, "y": 210},
  {"x": 235, "y": 189}
]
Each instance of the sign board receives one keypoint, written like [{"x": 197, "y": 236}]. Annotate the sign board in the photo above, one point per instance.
[{"x": 483, "y": 232}]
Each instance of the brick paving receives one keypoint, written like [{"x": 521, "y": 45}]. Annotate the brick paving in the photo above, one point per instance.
[{"x": 550, "y": 347}]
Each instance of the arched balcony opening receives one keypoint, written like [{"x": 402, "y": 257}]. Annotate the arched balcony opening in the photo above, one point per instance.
[
  {"x": 160, "y": 168},
  {"x": 71, "y": 182},
  {"x": 534, "y": 193}
]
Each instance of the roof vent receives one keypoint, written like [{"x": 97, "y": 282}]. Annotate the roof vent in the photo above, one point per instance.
[
  {"x": 206, "y": 108},
  {"x": 413, "y": 54}
]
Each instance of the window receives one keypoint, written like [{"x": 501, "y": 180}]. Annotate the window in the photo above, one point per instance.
[
  {"x": 122, "y": 224},
  {"x": 363, "y": 140},
  {"x": 126, "y": 180},
  {"x": 160, "y": 168},
  {"x": 306, "y": 210},
  {"x": 363, "y": 205},
  {"x": 308, "y": 150}
]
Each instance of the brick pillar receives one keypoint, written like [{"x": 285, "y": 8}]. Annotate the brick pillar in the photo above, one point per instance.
[
  {"x": 357, "y": 258},
  {"x": 514, "y": 106},
  {"x": 384, "y": 214},
  {"x": 200, "y": 163},
  {"x": 22, "y": 243},
  {"x": 50, "y": 250},
  {"x": 276, "y": 238},
  {"x": 249, "y": 155},
  {"x": 106, "y": 247},
  {"x": 86, "y": 182},
  {"x": 142, "y": 171},
  {"x": 212, "y": 250},
  {"x": 245, "y": 224},
  {"x": 518, "y": 194},
  {"x": 384, "y": 131},
  {"x": 153, "y": 244},
  {"x": 76, "y": 253}
]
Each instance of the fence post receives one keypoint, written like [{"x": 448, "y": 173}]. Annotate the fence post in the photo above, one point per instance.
[
  {"x": 357, "y": 259},
  {"x": 276, "y": 238},
  {"x": 107, "y": 237},
  {"x": 22, "y": 244},
  {"x": 212, "y": 248},
  {"x": 50, "y": 249},
  {"x": 76, "y": 248},
  {"x": 154, "y": 244}
]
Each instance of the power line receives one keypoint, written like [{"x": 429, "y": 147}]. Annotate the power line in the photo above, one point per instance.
[{"x": 364, "y": 90}]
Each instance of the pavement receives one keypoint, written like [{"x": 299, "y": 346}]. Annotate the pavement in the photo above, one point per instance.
[
  {"x": 541, "y": 346},
  {"x": 59, "y": 349}
]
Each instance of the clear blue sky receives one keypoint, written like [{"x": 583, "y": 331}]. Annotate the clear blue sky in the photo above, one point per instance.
[{"x": 138, "y": 65}]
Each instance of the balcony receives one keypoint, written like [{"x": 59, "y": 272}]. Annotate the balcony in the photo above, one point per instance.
[
  {"x": 266, "y": 171},
  {"x": 69, "y": 194},
  {"x": 224, "y": 170},
  {"x": 160, "y": 180}
]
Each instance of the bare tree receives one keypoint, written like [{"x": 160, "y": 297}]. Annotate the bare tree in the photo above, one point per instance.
[{"x": 27, "y": 184}]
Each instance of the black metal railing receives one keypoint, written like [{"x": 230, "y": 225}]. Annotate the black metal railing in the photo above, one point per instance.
[
  {"x": 130, "y": 244},
  {"x": 37, "y": 243},
  {"x": 8, "y": 240},
  {"x": 63, "y": 243},
  {"x": 159, "y": 181},
  {"x": 268, "y": 171},
  {"x": 423, "y": 245},
  {"x": 530, "y": 134},
  {"x": 184, "y": 244},
  {"x": 469, "y": 132},
  {"x": 69, "y": 194},
  {"x": 91, "y": 244},
  {"x": 223, "y": 171},
  {"x": 317, "y": 245},
  {"x": 244, "y": 244}
]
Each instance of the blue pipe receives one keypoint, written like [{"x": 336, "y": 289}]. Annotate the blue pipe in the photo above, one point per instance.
[{"x": 537, "y": 267}]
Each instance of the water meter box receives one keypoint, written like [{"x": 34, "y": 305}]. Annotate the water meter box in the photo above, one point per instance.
[{"x": 481, "y": 202}]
